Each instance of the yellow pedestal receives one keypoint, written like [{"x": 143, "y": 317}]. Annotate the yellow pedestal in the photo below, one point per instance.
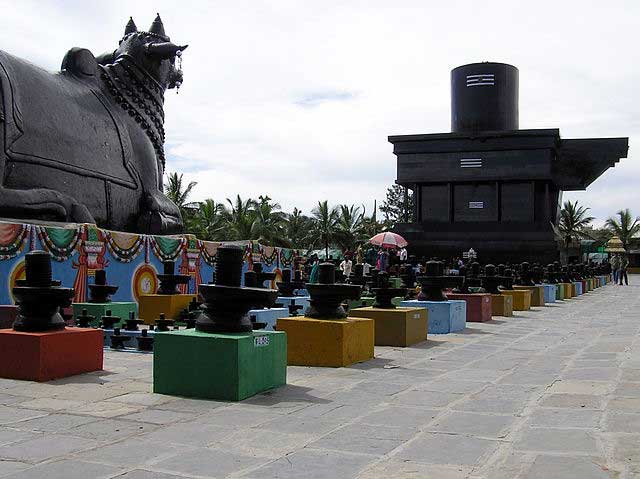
[
  {"x": 501, "y": 305},
  {"x": 327, "y": 343},
  {"x": 396, "y": 327},
  {"x": 537, "y": 294},
  {"x": 569, "y": 290},
  {"x": 574, "y": 291},
  {"x": 521, "y": 298},
  {"x": 151, "y": 305}
]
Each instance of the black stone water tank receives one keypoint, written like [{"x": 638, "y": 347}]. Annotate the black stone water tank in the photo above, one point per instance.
[{"x": 484, "y": 97}]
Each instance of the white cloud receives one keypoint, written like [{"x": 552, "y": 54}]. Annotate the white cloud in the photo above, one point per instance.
[{"x": 296, "y": 99}]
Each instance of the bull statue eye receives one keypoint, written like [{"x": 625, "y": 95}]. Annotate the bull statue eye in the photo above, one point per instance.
[{"x": 179, "y": 53}]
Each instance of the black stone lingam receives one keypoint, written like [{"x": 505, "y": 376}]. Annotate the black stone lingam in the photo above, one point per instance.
[
  {"x": 169, "y": 281},
  {"x": 100, "y": 291},
  {"x": 262, "y": 276},
  {"x": 84, "y": 320},
  {"x": 473, "y": 279},
  {"x": 327, "y": 295},
  {"x": 287, "y": 287},
  {"x": 39, "y": 297},
  {"x": 462, "y": 288},
  {"x": 162, "y": 323},
  {"x": 108, "y": 321},
  {"x": 525, "y": 276},
  {"x": 131, "y": 324},
  {"x": 506, "y": 277},
  {"x": 536, "y": 274},
  {"x": 434, "y": 281},
  {"x": 550, "y": 275},
  {"x": 118, "y": 340},
  {"x": 226, "y": 303},
  {"x": 145, "y": 342},
  {"x": 490, "y": 281},
  {"x": 357, "y": 275},
  {"x": 384, "y": 293}
]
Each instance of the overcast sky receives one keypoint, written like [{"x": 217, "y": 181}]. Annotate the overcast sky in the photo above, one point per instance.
[{"x": 295, "y": 99}]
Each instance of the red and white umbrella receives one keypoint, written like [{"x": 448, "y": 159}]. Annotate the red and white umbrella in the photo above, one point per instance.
[{"x": 388, "y": 240}]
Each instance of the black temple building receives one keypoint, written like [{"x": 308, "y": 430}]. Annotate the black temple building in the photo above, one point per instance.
[{"x": 488, "y": 185}]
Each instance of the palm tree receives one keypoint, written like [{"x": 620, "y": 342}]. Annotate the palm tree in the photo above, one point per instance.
[
  {"x": 349, "y": 226},
  {"x": 240, "y": 219},
  {"x": 625, "y": 228},
  {"x": 573, "y": 222},
  {"x": 325, "y": 225},
  {"x": 269, "y": 221},
  {"x": 174, "y": 189},
  {"x": 208, "y": 221},
  {"x": 296, "y": 229}
]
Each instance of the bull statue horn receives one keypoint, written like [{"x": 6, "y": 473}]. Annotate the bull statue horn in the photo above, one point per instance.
[
  {"x": 164, "y": 49},
  {"x": 157, "y": 27},
  {"x": 131, "y": 27}
]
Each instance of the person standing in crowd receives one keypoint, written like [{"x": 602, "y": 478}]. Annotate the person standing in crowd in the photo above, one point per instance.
[
  {"x": 315, "y": 264},
  {"x": 622, "y": 272},
  {"x": 403, "y": 255},
  {"x": 346, "y": 266},
  {"x": 615, "y": 266}
]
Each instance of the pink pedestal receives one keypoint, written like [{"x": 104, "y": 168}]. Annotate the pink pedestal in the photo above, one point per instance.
[{"x": 478, "y": 306}]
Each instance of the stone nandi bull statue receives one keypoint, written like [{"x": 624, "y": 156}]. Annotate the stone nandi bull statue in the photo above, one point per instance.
[{"x": 87, "y": 144}]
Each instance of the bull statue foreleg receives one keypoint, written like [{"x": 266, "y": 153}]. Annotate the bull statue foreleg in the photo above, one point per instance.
[{"x": 42, "y": 204}]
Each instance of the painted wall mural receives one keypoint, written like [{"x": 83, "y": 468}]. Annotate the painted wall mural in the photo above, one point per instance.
[{"x": 131, "y": 261}]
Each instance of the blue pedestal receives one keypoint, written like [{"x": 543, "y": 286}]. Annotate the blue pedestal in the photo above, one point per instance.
[
  {"x": 550, "y": 293},
  {"x": 269, "y": 316},
  {"x": 303, "y": 301},
  {"x": 132, "y": 343},
  {"x": 578, "y": 285},
  {"x": 444, "y": 316}
]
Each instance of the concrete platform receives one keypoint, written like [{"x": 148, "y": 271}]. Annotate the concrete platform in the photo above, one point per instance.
[
  {"x": 501, "y": 305},
  {"x": 151, "y": 305},
  {"x": 550, "y": 293},
  {"x": 49, "y": 355},
  {"x": 269, "y": 316},
  {"x": 549, "y": 394},
  {"x": 521, "y": 298},
  {"x": 221, "y": 366},
  {"x": 120, "y": 309},
  {"x": 327, "y": 343},
  {"x": 577, "y": 285},
  {"x": 478, "y": 306},
  {"x": 537, "y": 294},
  {"x": 396, "y": 327},
  {"x": 444, "y": 316}
]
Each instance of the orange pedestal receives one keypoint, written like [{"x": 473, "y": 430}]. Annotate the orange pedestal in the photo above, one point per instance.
[{"x": 50, "y": 355}]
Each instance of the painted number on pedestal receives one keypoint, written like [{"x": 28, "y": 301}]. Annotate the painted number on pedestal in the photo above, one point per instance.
[
  {"x": 260, "y": 341},
  {"x": 416, "y": 315}
]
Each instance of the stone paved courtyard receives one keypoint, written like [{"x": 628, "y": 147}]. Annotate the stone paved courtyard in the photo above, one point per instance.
[{"x": 551, "y": 393}]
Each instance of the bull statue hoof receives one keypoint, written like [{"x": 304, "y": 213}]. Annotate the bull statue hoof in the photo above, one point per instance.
[{"x": 160, "y": 216}]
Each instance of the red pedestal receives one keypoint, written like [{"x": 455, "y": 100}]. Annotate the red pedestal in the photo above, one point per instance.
[
  {"x": 478, "y": 306},
  {"x": 50, "y": 355},
  {"x": 585, "y": 286},
  {"x": 8, "y": 315}
]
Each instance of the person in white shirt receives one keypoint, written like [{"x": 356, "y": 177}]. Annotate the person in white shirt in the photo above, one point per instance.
[
  {"x": 403, "y": 254},
  {"x": 346, "y": 267}
]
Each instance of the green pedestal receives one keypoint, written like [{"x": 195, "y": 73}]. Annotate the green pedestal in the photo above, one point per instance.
[
  {"x": 361, "y": 303},
  {"x": 120, "y": 309},
  {"x": 559, "y": 291},
  {"x": 395, "y": 282},
  {"x": 230, "y": 367}
]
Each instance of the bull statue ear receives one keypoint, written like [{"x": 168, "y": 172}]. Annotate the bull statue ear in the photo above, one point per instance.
[
  {"x": 157, "y": 27},
  {"x": 131, "y": 27}
]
